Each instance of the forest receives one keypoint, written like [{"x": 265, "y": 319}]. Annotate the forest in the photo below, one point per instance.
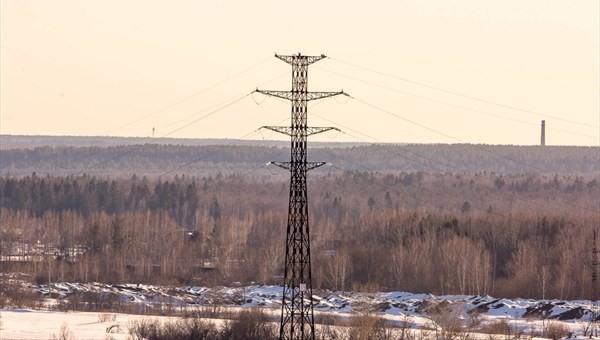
[
  {"x": 506, "y": 235},
  {"x": 503, "y": 220},
  {"x": 154, "y": 159}
]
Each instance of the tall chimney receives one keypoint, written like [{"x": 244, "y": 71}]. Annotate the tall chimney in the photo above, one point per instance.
[{"x": 543, "y": 133}]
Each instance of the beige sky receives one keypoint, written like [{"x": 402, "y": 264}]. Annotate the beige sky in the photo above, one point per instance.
[{"x": 112, "y": 67}]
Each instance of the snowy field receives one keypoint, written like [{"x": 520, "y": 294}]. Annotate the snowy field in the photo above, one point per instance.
[
  {"x": 28, "y": 324},
  {"x": 384, "y": 303},
  {"x": 423, "y": 314}
]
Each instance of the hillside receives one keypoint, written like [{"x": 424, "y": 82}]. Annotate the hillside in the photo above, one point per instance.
[
  {"x": 508, "y": 221},
  {"x": 123, "y": 157}
]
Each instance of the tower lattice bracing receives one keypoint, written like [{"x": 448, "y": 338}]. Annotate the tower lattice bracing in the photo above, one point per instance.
[
  {"x": 297, "y": 307},
  {"x": 594, "y": 282}
]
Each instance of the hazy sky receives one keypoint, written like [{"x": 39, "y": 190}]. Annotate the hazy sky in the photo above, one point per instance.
[{"x": 115, "y": 67}]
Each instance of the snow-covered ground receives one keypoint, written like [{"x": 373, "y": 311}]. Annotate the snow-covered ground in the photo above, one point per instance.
[
  {"x": 415, "y": 311},
  {"x": 29, "y": 324},
  {"x": 385, "y": 303}
]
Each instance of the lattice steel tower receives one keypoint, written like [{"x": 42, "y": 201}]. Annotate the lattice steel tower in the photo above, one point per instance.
[{"x": 297, "y": 306}]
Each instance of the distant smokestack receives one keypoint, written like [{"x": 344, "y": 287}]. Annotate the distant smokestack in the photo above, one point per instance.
[{"x": 543, "y": 143}]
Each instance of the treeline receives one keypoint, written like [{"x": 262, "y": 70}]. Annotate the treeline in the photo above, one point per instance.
[
  {"x": 154, "y": 159},
  {"x": 503, "y": 235},
  {"x": 182, "y": 197},
  {"x": 86, "y": 195}
]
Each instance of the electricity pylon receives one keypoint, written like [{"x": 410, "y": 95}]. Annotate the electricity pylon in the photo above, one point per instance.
[{"x": 297, "y": 320}]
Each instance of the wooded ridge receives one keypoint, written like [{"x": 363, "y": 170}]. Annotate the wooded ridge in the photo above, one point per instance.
[
  {"x": 506, "y": 221},
  {"x": 204, "y": 160}
]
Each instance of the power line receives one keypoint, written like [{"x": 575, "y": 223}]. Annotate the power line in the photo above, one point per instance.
[
  {"x": 208, "y": 115},
  {"x": 201, "y": 158},
  {"x": 439, "y": 132},
  {"x": 463, "y": 95},
  {"x": 135, "y": 148},
  {"x": 451, "y": 104},
  {"x": 374, "y": 144},
  {"x": 448, "y": 136},
  {"x": 450, "y": 196},
  {"x": 226, "y": 103},
  {"x": 166, "y": 107},
  {"x": 407, "y": 120},
  {"x": 220, "y": 103}
]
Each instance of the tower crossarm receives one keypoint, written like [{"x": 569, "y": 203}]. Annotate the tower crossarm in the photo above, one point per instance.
[
  {"x": 287, "y": 130},
  {"x": 289, "y": 95},
  {"x": 322, "y": 95},
  {"x": 288, "y": 165},
  {"x": 295, "y": 59}
]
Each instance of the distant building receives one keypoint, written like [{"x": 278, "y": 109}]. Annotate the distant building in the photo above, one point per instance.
[{"x": 543, "y": 142}]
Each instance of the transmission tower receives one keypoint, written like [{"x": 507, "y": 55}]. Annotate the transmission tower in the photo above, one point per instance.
[{"x": 297, "y": 306}]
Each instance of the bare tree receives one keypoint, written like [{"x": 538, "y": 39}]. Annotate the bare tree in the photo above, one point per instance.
[{"x": 339, "y": 270}]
